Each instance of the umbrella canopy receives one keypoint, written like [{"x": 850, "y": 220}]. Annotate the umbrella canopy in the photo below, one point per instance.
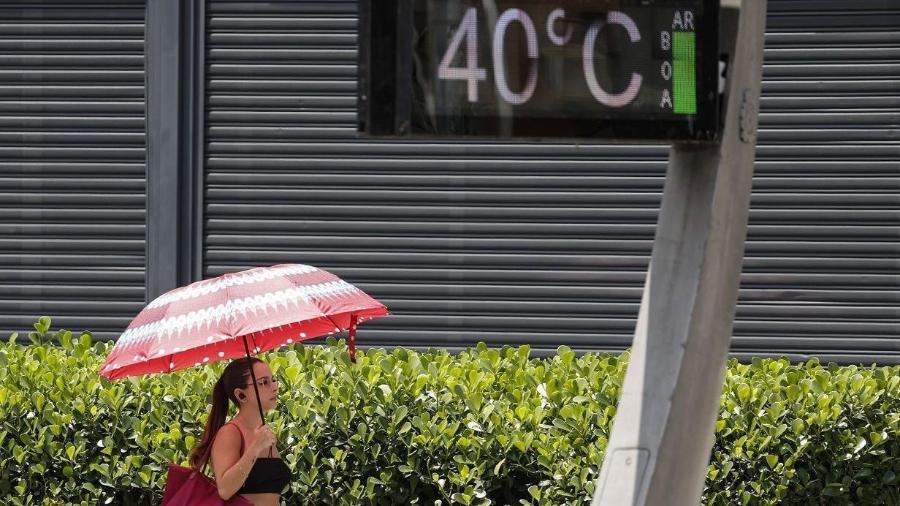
[{"x": 234, "y": 314}]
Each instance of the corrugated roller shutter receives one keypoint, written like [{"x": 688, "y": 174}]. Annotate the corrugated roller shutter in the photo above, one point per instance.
[
  {"x": 72, "y": 171},
  {"x": 548, "y": 244},
  {"x": 822, "y": 271}
]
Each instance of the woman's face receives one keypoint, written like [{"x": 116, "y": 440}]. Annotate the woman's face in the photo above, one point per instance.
[{"x": 267, "y": 385}]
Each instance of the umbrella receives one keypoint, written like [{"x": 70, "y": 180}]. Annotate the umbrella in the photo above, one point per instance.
[{"x": 238, "y": 314}]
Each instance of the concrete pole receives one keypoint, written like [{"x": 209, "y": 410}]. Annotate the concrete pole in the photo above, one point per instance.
[{"x": 664, "y": 427}]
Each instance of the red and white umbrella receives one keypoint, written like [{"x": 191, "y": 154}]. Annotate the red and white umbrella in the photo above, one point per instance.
[{"x": 238, "y": 314}]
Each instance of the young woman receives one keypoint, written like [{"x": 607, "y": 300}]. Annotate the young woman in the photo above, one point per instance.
[{"x": 242, "y": 451}]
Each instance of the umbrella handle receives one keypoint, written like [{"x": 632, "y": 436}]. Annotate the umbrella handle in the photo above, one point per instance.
[
  {"x": 255, "y": 387},
  {"x": 351, "y": 338}
]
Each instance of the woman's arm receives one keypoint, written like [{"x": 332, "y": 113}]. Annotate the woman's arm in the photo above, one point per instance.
[{"x": 230, "y": 466}]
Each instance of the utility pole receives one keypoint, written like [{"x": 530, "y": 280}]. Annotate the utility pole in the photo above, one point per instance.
[{"x": 663, "y": 432}]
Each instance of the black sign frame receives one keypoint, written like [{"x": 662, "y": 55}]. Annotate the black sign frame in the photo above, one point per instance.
[{"x": 385, "y": 90}]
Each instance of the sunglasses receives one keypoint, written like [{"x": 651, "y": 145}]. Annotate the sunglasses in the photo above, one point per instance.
[{"x": 265, "y": 382}]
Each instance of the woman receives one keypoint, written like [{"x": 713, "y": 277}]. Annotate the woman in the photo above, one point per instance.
[{"x": 243, "y": 451}]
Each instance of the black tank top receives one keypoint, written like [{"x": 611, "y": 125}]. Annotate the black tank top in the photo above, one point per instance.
[{"x": 269, "y": 475}]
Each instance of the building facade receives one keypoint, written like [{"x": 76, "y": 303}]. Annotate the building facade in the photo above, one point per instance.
[{"x": 148, "y": 143}]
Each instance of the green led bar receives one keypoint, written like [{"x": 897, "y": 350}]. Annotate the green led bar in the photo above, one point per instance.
[{"x": 684, "y": 76}]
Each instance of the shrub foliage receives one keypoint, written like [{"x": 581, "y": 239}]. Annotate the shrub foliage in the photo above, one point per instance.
[{"x": 487, "y": 426}]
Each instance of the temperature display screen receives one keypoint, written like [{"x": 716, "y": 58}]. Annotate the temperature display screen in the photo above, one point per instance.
[{"x": 581, "y": 69}]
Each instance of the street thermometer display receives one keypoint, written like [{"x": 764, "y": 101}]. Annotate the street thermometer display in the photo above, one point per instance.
[{"x": 626, "y": 69}]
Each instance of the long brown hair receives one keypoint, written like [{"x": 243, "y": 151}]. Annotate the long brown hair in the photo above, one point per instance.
[{"x": 234, "y": 376}]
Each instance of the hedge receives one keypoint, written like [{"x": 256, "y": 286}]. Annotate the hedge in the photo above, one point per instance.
[{"x": 486, "y": 426}]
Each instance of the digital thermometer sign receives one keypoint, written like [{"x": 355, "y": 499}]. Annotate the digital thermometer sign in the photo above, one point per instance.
[{"x": 580, "y": 69}]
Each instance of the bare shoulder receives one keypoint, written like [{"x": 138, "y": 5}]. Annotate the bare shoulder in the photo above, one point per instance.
[
  {"x": 226, "y": 449},
  {"x": 228, "y": 439},
  {"x": 227, "y": 444}
]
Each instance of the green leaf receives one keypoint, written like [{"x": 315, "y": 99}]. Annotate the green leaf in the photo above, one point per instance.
[
  {"x": 833, "y": 489},
  {"x": 42, "y": 325},
  {"x": 145, "y": 474},
  {"x": 400, "y": 413},
  {"x": 743, "y": 392}
]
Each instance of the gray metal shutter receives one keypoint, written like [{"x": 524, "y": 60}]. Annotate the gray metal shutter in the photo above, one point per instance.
[
  {"x": 822, "y": 269},
  {"x": 548, "y": 244},
  {"x": 72, "y": 172}
]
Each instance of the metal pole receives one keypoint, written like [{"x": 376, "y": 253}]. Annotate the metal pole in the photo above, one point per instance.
[
  {"x": 255, "y": 387},
  {"x": 351, "y": 337},
  {"x": 663, "y": 431}
]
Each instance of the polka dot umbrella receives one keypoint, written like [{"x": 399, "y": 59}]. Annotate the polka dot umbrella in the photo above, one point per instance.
[{"x": 236, "y": 315}]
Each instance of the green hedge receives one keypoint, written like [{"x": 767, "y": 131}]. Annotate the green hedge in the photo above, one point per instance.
[{"x": 488, "y": 426}]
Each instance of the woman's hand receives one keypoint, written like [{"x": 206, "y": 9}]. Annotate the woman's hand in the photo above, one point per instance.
[{"x": 263, "y": 440}]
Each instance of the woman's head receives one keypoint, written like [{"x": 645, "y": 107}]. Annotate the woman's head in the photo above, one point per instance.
[
  {"x": 242, "y": 393},
  {"x": 235, "y": 385}
]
